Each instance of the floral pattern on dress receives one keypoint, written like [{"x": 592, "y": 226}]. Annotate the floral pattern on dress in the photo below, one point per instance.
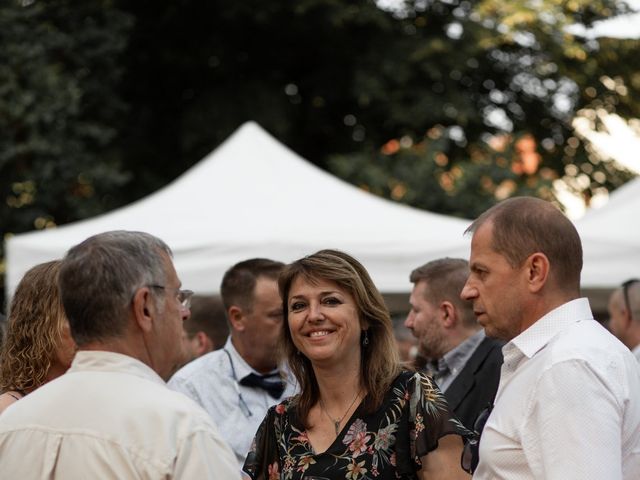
[
  {"x": 273, "y": 471},
  {"x": 386, "y": 444}
]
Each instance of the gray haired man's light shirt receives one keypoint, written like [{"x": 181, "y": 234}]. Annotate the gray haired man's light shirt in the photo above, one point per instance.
[{"x": 110, "y": 416}]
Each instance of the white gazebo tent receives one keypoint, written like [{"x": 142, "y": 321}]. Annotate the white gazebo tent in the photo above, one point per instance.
[
  {"x": 611, "y": 239},
  {"x": 253, "y": 197}
]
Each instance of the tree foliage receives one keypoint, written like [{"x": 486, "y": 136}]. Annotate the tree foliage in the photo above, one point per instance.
[
  {"x": 448, "y": 105},
  {"x": 59, "y": 110},
  {"x": 490, "y": 89},
  {"x": 337, "y": 81}
]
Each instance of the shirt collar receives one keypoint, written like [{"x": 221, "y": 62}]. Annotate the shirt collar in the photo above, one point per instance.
[
  {"x": 455, "y": 358},
  {"x": 101, "y": 360},
  {"x": 536, "y": 337},
  {"x": 242, "y": 368}
]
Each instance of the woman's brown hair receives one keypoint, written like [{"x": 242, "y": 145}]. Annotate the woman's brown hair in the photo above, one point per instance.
[{"x": 380, "y": 362}]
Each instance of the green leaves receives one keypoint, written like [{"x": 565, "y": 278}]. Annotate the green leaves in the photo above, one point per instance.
[
  {"x": 444, "y": 105},
  {"x": 58, "y": 106}
]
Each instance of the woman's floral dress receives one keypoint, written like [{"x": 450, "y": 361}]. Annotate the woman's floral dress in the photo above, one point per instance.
[{"x": 386, "y": 444}]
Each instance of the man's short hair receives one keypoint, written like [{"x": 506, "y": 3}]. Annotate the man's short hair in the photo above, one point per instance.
[
  {"x": 629, "y": 298},
  {"x": 445, "y": 278},
  {"x": 239, "y": 281},
  {"x": 99, "y": 277},
  {"x": 208, "y": 315},
  {"x": 526, "y": 225}
]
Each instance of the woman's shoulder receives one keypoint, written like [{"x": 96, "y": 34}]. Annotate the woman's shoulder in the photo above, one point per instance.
[
  {"x": 401, "y": 386},
  {"x": 285, "y": 407},
  {"x": 8, "y": 398},
  {"x": 411, "y": 378},
  {"x": 417, "y": 386}
]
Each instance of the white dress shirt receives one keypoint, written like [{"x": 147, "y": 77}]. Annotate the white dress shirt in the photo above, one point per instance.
[
  {"x": 237, "y": 410},
  {"x": 636, "y": 352},
  {"x": 568, "y": 404},
  {"x": 110, "y": 417}
]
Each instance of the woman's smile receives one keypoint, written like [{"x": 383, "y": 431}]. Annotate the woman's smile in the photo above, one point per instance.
[{"x": 323, "y": 321}]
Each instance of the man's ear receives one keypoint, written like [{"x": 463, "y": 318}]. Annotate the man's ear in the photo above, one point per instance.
[
  {"x": 144, "y": 309},
  {"x": 236, "y": 318},
  {"x": 205, "y": 344},
  {"x": 537, "y": 268},
  {"x": 448, "y": 315}
]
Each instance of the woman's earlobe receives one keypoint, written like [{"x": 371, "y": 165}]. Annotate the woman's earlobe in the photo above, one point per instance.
[{"x": 364, "y": 336}]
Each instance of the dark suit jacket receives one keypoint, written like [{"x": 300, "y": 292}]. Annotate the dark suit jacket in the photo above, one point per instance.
[{"x": 475, "y": 386}]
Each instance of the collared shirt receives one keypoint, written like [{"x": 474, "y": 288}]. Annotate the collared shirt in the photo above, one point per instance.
[
  {"x": 567, "y": 405},
  {"x": 636, "y": 352},
  {"x": 452, "y": 362},
  {"x": 110, "y": 416},
  {"x": 212, "y": 381}
]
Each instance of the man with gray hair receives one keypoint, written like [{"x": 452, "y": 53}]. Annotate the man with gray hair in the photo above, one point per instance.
[
  {"x": 111, "y": 415},
  {"x": 464, "y": 363}
]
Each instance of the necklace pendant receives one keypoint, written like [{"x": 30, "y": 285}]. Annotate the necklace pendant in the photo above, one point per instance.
[{"x": 336, "y": 425}]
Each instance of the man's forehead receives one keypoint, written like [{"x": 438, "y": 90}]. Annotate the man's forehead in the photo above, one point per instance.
[
  {"x": 420, "y": 291},
  {"x": 483, "y": 233},
  {"x": 265, "y": 287},
  {"x": 421, "y": 286},
  {"x": 170, "y": 269},
  {"x": 482, "y": 244},
  {"x": 262, "y": 281}
]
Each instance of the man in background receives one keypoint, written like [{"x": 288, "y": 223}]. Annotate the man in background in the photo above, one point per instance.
[
  {"x": 567, "y": 405},
  {"x": 206, "y": 329},
  {"x": 405, "y": 341},
  {"x": 111, "y": 415},
  {"x": 464, "y": 363},
  {"x": 624, "y": 315},
  {"x": 238, "y": 383}
]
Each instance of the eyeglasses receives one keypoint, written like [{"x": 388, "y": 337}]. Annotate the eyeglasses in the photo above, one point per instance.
[
  {"x": 625, "y": 294},
  {"x": 183, "y": 296},
  {"x": 470, "y": 453}
]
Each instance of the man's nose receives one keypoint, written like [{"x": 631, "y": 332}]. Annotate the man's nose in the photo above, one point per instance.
[
  {"x": 468, "y": 292},
  {"x": 408, "y": 322}
]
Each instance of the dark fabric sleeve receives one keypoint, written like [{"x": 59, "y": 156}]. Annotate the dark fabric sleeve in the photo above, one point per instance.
[
  {"x": 263, "y": 461},
  {"x": 426, "y": 418}
]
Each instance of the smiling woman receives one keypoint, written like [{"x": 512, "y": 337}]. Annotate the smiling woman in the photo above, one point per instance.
[
  {"x": 358, "y": 413},
  {"x": 324, "y": 324}
]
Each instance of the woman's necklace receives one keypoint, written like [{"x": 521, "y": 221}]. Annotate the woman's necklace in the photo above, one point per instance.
[{"x": 336, "y": 423}]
